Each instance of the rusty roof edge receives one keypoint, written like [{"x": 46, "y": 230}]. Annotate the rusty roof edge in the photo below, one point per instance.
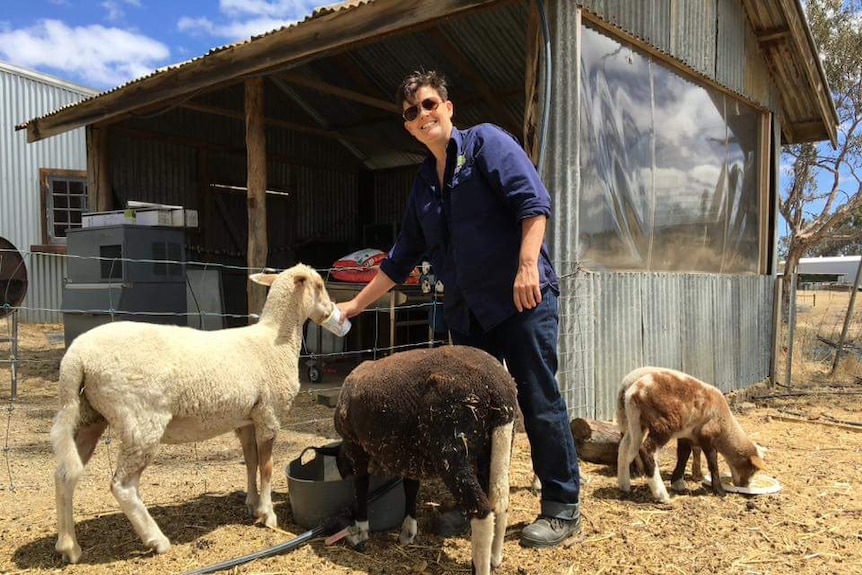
[
  {"x": 246, "y": 58},
  {"x": 808, "y": 51}
]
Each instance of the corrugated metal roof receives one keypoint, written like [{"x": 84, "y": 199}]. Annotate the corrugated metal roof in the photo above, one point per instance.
[
  {"x": 47, "y": 79},
  {"x": 780, "y": 30}
]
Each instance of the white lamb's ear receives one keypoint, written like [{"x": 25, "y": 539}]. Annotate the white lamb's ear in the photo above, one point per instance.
[
  {"x": 761, "y": 451},
  {"x": 263, "y": 279}
]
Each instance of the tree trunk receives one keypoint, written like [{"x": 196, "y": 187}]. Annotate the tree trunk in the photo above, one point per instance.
[{"x": 791, "y": 265}]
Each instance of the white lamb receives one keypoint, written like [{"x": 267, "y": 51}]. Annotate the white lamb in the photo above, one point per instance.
[{"x": 167, "y": 384}]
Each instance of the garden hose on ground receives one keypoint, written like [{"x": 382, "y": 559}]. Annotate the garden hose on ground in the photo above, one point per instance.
[{"x": 331, "y": 525}]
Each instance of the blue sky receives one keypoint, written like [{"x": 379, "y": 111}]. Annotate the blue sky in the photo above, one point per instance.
[{"x": 102, "y": 44}]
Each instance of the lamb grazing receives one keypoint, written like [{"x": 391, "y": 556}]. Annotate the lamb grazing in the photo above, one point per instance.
[
  {"x": 447, "y": 412},
  {"x": 669, "y": 404},
  {"x": 167, "y": 384}
]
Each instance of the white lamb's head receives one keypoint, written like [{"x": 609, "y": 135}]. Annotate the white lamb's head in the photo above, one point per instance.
[{"x": 297, "y": 290}]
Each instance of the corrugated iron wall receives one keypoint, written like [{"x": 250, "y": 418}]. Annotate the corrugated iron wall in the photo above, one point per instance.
[
  {"x": 714, "y": 327},
  {"x": 22, "y": 97},
  {"x": 712, "y": 37}
]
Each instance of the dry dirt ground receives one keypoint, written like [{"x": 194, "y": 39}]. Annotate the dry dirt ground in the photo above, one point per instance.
[{"x": 814, "y": 525}]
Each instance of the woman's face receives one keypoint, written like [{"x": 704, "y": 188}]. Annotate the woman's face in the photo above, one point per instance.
[{"x": 433, "y": 122}]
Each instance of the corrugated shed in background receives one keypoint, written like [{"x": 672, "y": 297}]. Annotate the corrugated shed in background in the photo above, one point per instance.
[{"x": 24, "y": 95}]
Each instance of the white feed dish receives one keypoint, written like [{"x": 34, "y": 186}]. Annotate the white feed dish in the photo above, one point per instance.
[{"x": 760, "y": 484}]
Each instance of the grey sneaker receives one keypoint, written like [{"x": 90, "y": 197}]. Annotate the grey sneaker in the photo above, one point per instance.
[
  {"x": 547, "y": 532},
  {"x": 453, "y": 523}
]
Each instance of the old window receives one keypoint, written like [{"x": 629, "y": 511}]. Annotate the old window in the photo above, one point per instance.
[
  {"x": 64, "y": 199},
  {"x": 669, "y": 167}
]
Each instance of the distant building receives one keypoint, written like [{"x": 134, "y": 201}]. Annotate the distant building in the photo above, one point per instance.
[
  {"x": 835, "y": 269},
  {"x": 43, "y": 186}
]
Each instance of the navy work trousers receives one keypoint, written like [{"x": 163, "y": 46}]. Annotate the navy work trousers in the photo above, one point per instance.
[{"x": 527, "y": 341}]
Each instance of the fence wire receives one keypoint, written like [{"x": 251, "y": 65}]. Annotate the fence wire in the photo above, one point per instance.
[
  {"x": 40, "y": 347},
  {"x": 811, "y": 335}
]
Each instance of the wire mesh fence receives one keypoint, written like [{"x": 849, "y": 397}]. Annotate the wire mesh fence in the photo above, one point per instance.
[
  {"x": 821, "y": 336},
  {"x": 30, "y": 353}
]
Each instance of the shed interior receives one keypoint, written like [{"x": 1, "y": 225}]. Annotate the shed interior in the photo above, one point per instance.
[{"x": 339, "y": 162}]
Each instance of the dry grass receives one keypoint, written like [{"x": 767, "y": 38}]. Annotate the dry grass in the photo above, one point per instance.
[{"x": 813, "y": 526}]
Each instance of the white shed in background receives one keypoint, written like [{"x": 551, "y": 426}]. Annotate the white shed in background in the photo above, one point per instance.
[
  {"x": 839, "y": 269},
  {"x": 33, "y": 177}
]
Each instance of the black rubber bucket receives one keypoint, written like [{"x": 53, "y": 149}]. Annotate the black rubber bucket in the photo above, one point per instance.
[{"x": 317, "y": 492}]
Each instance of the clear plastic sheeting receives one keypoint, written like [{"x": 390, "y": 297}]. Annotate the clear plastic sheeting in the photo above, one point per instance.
[{"x": 669, "y": 168}]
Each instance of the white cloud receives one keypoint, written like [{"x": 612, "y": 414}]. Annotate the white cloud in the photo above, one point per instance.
[
  {"x": 242, "y": 19},
  {"x": 231, "y": 31},
  {"x": 117, "y": 8},
  {"x": 286, "y": 9},
  {"x": 99, "y": 56}
]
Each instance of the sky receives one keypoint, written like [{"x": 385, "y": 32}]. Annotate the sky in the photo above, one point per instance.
[{"x": 102, "y": 44}]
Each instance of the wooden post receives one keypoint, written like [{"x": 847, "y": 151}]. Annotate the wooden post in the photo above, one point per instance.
[
  {"x": 100, "y": 196},
  {"x": 777, "y": 308},
  {"x": 847, "y": 317},
  {"x": 255, "y": 141}
]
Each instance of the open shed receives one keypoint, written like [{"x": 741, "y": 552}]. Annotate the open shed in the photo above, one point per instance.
[{"x": 655, "y": 124}]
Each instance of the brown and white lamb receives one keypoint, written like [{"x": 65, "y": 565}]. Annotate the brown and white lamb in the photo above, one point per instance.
[
  {"x": 664, "y": 404},
  {"x": 446, "y": 412}
]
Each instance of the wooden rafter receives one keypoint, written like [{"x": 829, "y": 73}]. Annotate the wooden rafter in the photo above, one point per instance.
[
  {"x": 331, "y": 90},
  {"x": 334, "y": 135},
  {"x": 773, "y": 35}
]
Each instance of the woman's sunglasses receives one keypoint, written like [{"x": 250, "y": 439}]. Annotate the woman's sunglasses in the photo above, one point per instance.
[{"x": 428, "y": 104}]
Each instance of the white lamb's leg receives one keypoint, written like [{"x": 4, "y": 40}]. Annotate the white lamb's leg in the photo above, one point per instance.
[
  {"x": 482, "y": 539},
  {"x": 656, "y": 485},
  {"x": 409, "y": 528},
  {"x": 64, "y": 489},
  {"x": 358, "y": 533},
  {"x": 249, "y": 451},
  {"x": 67, "y": 543},
  {"x": 130, "y": 464},
  {"x": 629, "y": 445},
  {"x": 65, "y": 480},
  {"x": 264, "y": 512},
  {"x": 498, "y": 492}
]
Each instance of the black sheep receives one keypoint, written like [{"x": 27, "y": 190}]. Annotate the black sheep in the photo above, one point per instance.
[{"x": 446, "y": 412}]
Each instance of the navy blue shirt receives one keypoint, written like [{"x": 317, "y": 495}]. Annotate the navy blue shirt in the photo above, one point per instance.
[{"x": 471, "y": 229}]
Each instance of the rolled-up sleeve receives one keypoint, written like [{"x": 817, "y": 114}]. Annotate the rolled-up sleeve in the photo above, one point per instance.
[{"x": 511, "y": 173}]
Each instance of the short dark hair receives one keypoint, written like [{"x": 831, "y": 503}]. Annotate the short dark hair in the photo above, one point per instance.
[{"x": 418, "y": 79}]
